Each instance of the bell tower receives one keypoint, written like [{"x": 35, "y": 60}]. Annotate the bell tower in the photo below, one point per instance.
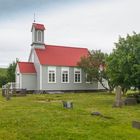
[{"x": 38, "y": 36}]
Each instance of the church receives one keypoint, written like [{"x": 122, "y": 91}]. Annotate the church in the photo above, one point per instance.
[{"x": 52, "y": 67}]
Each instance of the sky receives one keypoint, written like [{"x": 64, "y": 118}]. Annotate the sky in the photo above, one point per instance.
[{"x": 92, "y": 24}]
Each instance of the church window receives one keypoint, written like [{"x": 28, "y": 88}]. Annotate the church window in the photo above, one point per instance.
[
  {"x": 65, "y": 75},
  {"x": 77, "y": 75},
  {"x": 51, "y": 74},
  {"x": 39, "y": 36}
]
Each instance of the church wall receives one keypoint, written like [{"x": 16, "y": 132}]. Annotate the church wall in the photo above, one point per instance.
[
  {"x": 105, "y": 83},
  {"x": 66, "y": 86},
  {"x": 17, "y": 77},
  {"x": 29, "y": 81},
  {"x": 37, "y": 67}
]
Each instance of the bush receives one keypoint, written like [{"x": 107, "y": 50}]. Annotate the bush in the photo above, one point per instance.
[{"x": 3, "y": 80}]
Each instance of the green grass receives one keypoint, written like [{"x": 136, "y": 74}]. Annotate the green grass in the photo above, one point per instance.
[
  {"x": 3, "y": 71},
  {"x": 42, "y": 117}
]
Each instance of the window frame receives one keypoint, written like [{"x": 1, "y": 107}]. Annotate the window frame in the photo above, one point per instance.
[
  {"x": 54, "y": 71},
  {"x": 38, "y": 36},
  {"x": 77, "y": 70},
  {"x": 62, "y": 70},
  {"x": 88, "y": 82}
]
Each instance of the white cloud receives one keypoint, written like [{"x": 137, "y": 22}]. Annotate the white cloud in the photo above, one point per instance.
[{"x": 95, "y": 25}]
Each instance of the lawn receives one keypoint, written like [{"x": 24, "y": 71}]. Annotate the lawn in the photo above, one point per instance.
[{"x": 42, "y": 117}]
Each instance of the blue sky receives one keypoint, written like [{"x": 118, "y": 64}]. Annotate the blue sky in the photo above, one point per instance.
[{"x": 94, "y": 24}]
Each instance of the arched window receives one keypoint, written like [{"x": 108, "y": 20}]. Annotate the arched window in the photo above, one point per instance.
[{"x": 39, "y": 36}]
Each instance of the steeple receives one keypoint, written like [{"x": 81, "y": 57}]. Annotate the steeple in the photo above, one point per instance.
[{"x": 37, "y": 35}]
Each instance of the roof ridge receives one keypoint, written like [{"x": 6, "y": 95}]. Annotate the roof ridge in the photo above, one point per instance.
[
  {"x": 65, "y": 46},
  {"x": 25, "y": 62},
  {"x": 38, "y": 23}
]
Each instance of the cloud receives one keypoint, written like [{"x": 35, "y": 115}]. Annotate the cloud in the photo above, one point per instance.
[
  {"x": 92, "y": 24},
  {"x": 16, "y": 7}
]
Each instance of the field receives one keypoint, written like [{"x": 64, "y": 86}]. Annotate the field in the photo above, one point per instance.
[
  {"x": 3, "y": 71},
  {"x": 42, "y": 117}
]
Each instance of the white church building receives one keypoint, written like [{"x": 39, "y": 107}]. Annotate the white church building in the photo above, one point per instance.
[{"x": 52, "y": 67}]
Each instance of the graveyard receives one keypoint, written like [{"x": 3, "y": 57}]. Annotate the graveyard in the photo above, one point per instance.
[{"x": 44, "y": 116}]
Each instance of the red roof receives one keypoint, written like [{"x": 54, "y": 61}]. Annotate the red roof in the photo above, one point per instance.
[
  {"x": 26, "y": 67},
  {"x": 38, "y": 26},
  {"x": 60, "y": 55}
]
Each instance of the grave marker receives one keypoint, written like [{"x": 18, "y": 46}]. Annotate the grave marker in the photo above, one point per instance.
[{"x": 118, "y": 100}]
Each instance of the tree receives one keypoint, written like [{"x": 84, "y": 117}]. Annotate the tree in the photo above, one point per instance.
[
  {"x": 3, "y": 77},
  {"x": 94, "y": 66},
  {"x": 124, "y": 62},
  {"x": 11, "y": 72},
  {"x": 3, "y": 80}
]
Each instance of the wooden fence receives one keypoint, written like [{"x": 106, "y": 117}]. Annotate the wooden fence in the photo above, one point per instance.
[{"x": 10, "y": 89}]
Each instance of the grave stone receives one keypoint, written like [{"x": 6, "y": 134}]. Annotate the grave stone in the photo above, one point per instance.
[
  {"x": 96, "y": 113},
  {"x": 67, "y": 104},
  {"x": 118, "y": 101},
  {"x": 7, "y": 92},
  {"x": 136, "y": 124},
  {"x": 100, "y": 115},
  {"x": 130, "y": 101}
]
